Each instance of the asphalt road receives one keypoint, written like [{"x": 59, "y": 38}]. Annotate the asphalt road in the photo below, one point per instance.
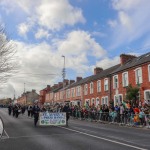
[{"x": 20, "y": 134}]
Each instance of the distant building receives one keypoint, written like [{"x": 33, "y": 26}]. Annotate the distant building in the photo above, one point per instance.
[
  {"x": 28, "y": 97},
  {"x": 5, "y": 101}
]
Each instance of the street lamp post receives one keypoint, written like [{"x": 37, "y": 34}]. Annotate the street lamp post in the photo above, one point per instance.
[{"x": 63, "y": 76}]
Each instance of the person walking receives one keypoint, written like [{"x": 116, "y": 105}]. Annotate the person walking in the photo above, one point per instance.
[
  {"x": 36, "y": 110},
  {"x": 9, "y": 109},
  {"x": 67, "y": 110}
]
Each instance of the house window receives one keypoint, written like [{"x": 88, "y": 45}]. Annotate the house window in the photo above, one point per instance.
[
  {"x": 87, "y": 102},
  {"x": 118, "y": 99},
  {"x": 68, "y": 93},
  {"x": 73, "y": 92},
  {"x": 115, "y": 81},
  {"x": 97, "y": 101},
  {"x": 125, "y": 81},
  {"x": 78, "y": 89},
  {"x": 106, "y": 85},
  {"x": 98, "y": 86},
  {"x": 61, "y": 95},
  {"x": 149, "y": 72},
  {"x": 104, "y": 100},
  {"x": 147, "y": 95},
  {"x": 138, "y": 75},
  {"x": 85, "y": 89},
  {"x": 92, "y": 101},
  {"x": 91, "y": 87}
]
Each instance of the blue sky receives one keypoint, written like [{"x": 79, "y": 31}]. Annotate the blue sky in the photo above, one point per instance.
[{"x": 89, "y": 33}]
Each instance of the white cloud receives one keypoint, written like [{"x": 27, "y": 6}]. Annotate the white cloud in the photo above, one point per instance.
[
  {"x": 125, "y": 5},
  {"x": 99, "y": 34},
  {"x": 23, "y": 29},
  {"x": 50, "y": 14},
  {"x": 41, "y": 33},
  {"x": 78, "y": 42},
  {"x": 38, "y": 59},
  {"x": 108, "y": 62},
  {"x": 125, "y": 20},
  {"x": 55, "y": 14},
  {"x": 112, "y": 23},
  {"x": 132, "y": 21}
]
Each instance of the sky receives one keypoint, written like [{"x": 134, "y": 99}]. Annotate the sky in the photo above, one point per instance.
[{"x": 89, "y": 33}]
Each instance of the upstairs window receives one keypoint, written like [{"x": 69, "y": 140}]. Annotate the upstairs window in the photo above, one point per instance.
[
  {"x": 68, "y": 93},
  {"x": 106, "y": 85},
  {"x": 78, "y": 91},
  {"x": 73, "y": 92},
  {"x": 85, "y": 89},
  {"x": 115, "y": 81},
  {"x": 138, "y": 75},
  {"x": 125, "y": 81},
  {"x": 99, "y": 86},
  {"x": 91, "y": 87}
]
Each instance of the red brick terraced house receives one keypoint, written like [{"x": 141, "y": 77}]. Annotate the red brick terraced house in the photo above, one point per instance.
[
  {"x": 49, "y": 96},
  {"x": 109, "y": 84},
  {"x": 43, "y": 92}
]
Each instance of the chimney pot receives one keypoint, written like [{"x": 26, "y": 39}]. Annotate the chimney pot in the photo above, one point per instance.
[
  {"x": 125, "y": 57},
  {"x": 97, "y": 70},
  {"x": 78, "y": 79}
]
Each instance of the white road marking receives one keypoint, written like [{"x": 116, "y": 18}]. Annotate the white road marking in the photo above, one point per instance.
[
  {"x": 6, "y": 134},
  {"x": 113, "y": 141}
]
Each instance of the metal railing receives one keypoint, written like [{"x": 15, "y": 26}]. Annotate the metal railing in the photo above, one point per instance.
[{"x": 129, "y": 119}]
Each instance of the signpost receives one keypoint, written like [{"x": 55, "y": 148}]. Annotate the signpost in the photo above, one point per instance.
[{"x": 55, "y": 119}]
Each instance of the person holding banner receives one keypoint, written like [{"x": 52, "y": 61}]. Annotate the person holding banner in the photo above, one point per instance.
[
  {"x": 36, "y": 110},
  {"x": 67, "y": 110}
]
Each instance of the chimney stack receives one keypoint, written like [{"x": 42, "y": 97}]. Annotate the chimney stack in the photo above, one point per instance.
[
  {"x": 60, "y": 84},
  {"x": 66, "y": 82},
  {"x": 55, "y": 86},
  {"x": 72, "y": 81},
  {"x": 125, "y": 57},
  {"x": 78, "y": 79},
  {"x": 97, "y": 70},
  {"x": 48, "y": 88}
]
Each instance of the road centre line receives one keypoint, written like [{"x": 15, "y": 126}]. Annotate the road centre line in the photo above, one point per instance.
[
  {"x": 112, "y": 136},
  {"x": 113, "y": 141}
]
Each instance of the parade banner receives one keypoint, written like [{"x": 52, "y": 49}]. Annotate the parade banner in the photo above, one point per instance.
[{"x": 55, "y": 119}]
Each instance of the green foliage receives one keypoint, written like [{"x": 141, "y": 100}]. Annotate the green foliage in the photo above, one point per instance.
[{"x": 132, "y": 94}]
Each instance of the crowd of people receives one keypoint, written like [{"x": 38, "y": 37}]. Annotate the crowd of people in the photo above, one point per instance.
[
  {"x": 125, "y": 113},
  {"x": 34, "y": 110}
]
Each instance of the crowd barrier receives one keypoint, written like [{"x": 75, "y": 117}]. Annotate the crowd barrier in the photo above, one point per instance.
[{"x": 128, "y": 119}]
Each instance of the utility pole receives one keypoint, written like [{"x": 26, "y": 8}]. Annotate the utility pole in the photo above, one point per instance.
[
  {"x": 63, "y": 76},
  {"x": 24, "y": 88},
  {"x": 25, "y": 102}
]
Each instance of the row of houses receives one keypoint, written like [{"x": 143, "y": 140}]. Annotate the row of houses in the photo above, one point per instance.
[
  {"x": 104, "y": 85},
  {"x": 27, "y": 98}
]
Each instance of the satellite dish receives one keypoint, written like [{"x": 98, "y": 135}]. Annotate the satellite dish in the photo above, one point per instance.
[{"x": 1, "y": 127}]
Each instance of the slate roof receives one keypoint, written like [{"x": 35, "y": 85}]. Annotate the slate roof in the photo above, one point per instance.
[
  {"x": 112, "y": 70},
  {"x": 134, "y": 62},
  {"x": 100, "y": 75}
]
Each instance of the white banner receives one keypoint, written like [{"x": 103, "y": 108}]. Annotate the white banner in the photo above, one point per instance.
[{"x": 55, "y": 119}]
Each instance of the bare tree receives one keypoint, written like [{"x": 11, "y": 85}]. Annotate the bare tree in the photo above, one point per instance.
[{"x": 8, "y": 64}]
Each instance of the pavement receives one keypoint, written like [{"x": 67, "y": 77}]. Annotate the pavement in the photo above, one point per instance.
[{"x": 20, "y": 133}]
